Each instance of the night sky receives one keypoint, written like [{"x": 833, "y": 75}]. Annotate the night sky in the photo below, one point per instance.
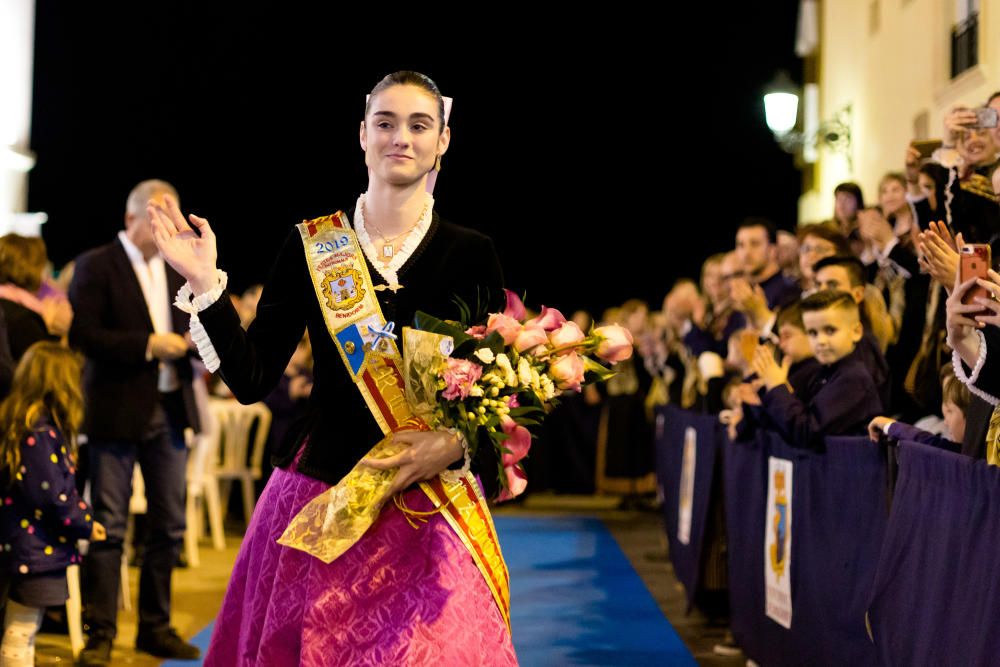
[{"x": 612, "y": 126}]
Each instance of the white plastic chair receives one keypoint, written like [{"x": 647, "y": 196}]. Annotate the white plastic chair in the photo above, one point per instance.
[
  {"x": 240, "y": 459},
  {"x": 202, "y": 486},
  {"x": 74, "y": 610},
  {"x": 136, "y": 505},
  {"x": 203, "y": 448}
]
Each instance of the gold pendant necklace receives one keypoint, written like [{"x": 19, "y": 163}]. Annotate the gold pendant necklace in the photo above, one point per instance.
[{"x": 388, "y": 242}]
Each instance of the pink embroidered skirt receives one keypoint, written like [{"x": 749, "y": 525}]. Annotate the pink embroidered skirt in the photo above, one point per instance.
[{"x": 400, "y": 596}]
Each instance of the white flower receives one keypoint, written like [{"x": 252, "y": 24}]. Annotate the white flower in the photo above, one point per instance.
[
  {"x": 524, "y": 372},
  {"x": 503, "y": 362},
  {"x": 485, "y": 355},
  {"x": 548, "y": 388}
]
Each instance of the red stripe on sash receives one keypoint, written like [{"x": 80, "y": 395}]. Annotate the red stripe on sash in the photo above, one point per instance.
[
  {"x": 383, "y": 407},
  {"x": 395, "y": 370},
  {"x": 482, "y": 517},
  {"x": 438, "y": 488}
]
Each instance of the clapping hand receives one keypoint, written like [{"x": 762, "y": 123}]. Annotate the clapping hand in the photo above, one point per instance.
[
  {"x": 768, "y": 369},
  {"x": 938, "y": 253}
]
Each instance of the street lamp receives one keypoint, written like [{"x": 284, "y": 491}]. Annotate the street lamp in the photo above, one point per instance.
[{"x": 781, "y": 102}]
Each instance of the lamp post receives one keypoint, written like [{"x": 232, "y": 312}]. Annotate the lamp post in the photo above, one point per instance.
[{"x": 781, "y": 103}]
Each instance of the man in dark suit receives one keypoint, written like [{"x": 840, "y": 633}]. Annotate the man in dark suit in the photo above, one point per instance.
[{"x": 139, "y": 400}]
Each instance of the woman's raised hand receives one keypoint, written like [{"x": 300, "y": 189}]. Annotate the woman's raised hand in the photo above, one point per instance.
[{"x": 192, "y": 255}]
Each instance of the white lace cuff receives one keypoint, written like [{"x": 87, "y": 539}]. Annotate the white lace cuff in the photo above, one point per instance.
[
  {"x": 970, "y": 379},
  {"x": 189, "y": 303},
  {"x": 193, "y": 305}
]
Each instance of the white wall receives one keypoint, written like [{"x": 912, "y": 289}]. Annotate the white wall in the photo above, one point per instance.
[
  {"x": 17, "y": 36},
  {"x": 890, "y": 77}
]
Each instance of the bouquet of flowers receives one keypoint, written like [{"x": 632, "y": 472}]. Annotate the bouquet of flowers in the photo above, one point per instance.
[{"x": 493, "y": 380}]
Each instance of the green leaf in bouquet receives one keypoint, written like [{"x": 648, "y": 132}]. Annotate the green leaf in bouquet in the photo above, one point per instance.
[
  {"x": 463, "y": 310},
  {"x": 426, "y": 322},
  {"x": 494, "y": 341},
  {"x": 524, "y": 421},
  {"x": 472, "y": 435},
  {"x": 482, "y": 311},
  {"x": 468, "y": 315},
  {"x": 498, "y": 436},
  {"x": 594, "y": 369},
  {"x": 465, "y": 349},
  {"x": 525, "y": 410}
]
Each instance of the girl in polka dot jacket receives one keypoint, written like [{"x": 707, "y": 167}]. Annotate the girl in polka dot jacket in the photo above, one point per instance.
[{"x": 41, "y": 514}]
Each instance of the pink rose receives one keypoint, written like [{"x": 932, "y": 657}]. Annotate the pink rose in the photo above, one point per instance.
[
  {"x": 616, "y": 343},
  {"x": 550, "y": 319},
  {"x": 506, "y": 325},
  {"x": 567, "y": 371},
  {"x": 514, "y": 307},
  {"x": 478, "y": 332},
  {"x": 512, "y": 402},
  {"x": 459, "y": 377},
  {"x": 530, "y": 337},
  {"x": 518, "y": 443},
  {"x": 568, "y": 334},
  {"x": 517, "y": 481}
]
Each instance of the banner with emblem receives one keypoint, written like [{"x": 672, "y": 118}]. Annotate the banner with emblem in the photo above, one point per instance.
[
  {"x": 687, "y": 447},
  {"x": 778, "y": 542},
  {"x": 810, "y": 611}
]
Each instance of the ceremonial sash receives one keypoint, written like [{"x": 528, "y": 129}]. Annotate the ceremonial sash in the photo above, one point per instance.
[{"x": 333, "y": 521}]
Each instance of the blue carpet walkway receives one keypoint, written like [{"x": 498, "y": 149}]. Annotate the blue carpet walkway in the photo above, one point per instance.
[{"x": 575, "y": 599}]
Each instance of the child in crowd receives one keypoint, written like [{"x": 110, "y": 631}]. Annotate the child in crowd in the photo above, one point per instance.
[
  {"x": 954, "y": 405},
  {"x": 794, "y": 345},
  {"x": 802, "y": 367},
  {"x": 848, "y": 274},
  {"x": 841, "y": 398},
  {"x": 41, "y": 514}
]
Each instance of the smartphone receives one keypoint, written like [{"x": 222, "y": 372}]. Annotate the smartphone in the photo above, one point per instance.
[
  {"x": 986, "y": 118},
  {"x": 926, "y": 147},
  {"x": 976, "y": 261}
]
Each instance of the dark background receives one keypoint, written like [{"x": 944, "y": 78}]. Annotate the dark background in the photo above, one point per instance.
[{"x": 606, "y": 154}]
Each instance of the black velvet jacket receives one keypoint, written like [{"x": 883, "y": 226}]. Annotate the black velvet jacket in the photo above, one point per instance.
[{"x": 450, "y": 261}]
